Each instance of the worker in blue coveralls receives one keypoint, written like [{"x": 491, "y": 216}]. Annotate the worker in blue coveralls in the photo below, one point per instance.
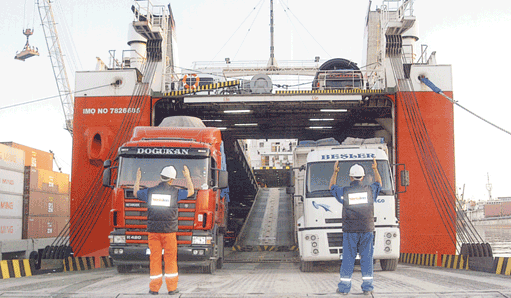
[{"x": 358, "y": 224}]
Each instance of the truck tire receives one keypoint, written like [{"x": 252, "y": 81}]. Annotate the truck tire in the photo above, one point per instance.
[
  {"x": 388, "y": 264},
  {"x": 124, "y": 268},
  {"x": 306, "y": 266},
  {"x": 211, "y": 268}
]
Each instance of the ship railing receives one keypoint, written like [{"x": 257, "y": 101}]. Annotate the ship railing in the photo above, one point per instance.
[
  {"x": 155, "y": 15},
  {"x": 289, "y": 79}
]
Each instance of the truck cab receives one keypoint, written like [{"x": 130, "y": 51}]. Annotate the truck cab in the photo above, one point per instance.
[
  {"x": 319, "y": 226},
  {"x": 202, "y": 218}
]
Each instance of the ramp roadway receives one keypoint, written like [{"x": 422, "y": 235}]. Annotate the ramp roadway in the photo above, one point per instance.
[{"x": 270, "y": 221}]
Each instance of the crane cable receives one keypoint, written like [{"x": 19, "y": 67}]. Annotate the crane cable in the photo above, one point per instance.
[
  {"x": 236, "y": 30},
  {"x": 248, "y": 31}
]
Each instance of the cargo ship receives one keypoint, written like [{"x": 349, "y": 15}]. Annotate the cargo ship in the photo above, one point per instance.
[{"x": 491, "y": 212}]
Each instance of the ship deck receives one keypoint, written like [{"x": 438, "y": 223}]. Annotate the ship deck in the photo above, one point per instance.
[{"x": 264, "y": 279}]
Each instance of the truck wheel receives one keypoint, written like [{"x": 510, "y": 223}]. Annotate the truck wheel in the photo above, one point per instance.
[
  {"x": 306, "y": 266},
  {"x": 211, "y": 268},
  {"x": 124, "y": 268},
  {"x": 388, "y": 264}
]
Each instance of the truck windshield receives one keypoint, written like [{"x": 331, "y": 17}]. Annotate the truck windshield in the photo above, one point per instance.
[
  {"x": 318, "y": 176},
  {"x": 151, "y": 169}
]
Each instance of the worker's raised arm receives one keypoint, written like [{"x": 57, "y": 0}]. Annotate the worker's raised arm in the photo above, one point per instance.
[
  {"x": 377, "y": 176},
  {"x": 189, "y": 183},
  {"x": 136, "y": 187},
  {"x": 333, "y": 179}
]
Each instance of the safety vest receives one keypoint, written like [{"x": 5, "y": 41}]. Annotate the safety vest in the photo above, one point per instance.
[
  {"x": 358, "y": 208},
  {"x": 162, "y": 210}
]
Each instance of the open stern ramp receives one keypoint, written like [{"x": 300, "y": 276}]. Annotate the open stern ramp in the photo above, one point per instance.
[{"x": 269, "y": 226}]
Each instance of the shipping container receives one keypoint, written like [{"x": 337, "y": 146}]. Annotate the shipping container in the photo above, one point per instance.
[
  {"x": 11, "y": 205},
  {"x": 10, "y": 228},
  {"x": 46, "y": 181},
  {"x": 506, "y": 208},
  {"x": 11, "y": 182},
  {"x": 44, "y": 226},
  {"x": 492, "y": 210},
  {"x": 33, "y": 157},
  {"x": 11, "y": 158},
  {"x": 38, "y": 203}
]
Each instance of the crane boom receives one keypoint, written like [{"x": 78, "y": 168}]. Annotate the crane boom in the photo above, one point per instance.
[{"x": 57, "y": 61}]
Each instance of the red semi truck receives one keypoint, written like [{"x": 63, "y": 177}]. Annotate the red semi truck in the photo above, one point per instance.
[{"x": 202, "y": 218}]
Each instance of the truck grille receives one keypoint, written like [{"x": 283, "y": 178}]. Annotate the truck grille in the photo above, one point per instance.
[
  {"x": 334, "y": 239},
  {"x": 136, "y": 219}
]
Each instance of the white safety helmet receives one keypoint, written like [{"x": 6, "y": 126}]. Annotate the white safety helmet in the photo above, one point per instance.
[
  {"x": 357, "y": 171},
  {"x": 168, "y": 173}
]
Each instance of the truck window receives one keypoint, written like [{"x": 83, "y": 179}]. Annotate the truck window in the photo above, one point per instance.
[
  {"x": 318, "y": 176},
  {"x": 151, "y": 168}
]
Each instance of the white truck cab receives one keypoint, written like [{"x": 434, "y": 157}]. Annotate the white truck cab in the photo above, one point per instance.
[{"x": 319, "y": 224}]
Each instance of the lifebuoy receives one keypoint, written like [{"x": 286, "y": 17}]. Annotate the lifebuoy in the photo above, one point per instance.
[{"x": 195, "y": 85}]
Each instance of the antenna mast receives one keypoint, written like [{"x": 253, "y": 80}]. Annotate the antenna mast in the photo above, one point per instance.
[
  {"x": 489, "y": 186},
  {"x": 272, "y": 63}
]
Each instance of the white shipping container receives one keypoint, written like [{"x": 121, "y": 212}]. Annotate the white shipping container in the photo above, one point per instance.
[
  {"x": 10, "y": 228},
  {"x": 12, "y": 158},
  {"x": 11, "y": 205},
  {"x": 11, "y": 182}
]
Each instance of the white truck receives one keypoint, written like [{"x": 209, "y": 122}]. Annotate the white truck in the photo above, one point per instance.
[{"x": 319, "y": 214}]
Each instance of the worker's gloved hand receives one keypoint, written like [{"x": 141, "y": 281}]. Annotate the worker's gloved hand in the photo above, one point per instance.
[{"x": 186, "y": 172}]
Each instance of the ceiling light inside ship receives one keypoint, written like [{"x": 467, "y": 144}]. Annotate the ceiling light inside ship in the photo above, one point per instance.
[
  {"x": 237, "y": 111},
  {"x": 334, "y": 110}
]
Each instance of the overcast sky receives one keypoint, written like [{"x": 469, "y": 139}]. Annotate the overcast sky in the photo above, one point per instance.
[{"x": 472, "y": 38}]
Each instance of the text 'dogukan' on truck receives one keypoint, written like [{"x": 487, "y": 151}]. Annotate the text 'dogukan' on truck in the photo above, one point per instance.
[{"x": 202, "y": 218}]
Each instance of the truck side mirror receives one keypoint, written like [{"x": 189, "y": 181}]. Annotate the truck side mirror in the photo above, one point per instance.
[
  {"x": 107, "y": 176},
  {"x": 405, "y": 178},
  {"x": 107, "y": 163},
  {"x": 223, "y": 179}
]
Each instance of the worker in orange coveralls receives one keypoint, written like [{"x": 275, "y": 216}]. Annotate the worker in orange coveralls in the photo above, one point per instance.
[{"x": 162, "y": 225}]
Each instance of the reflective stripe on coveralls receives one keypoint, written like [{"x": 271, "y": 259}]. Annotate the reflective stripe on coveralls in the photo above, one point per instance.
[{"x": 168, "y": 242}]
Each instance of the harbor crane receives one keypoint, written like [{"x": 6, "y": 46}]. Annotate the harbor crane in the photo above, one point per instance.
[{"x": 57, "y": 60}]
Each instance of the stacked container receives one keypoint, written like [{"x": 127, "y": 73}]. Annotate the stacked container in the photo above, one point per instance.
[
  {"x": 33, "y": 157},
  {"x": 46, "y": 203},
  {"x": 11, "y": 192}
]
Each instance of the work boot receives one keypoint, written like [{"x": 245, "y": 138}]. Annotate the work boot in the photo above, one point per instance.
[
  {"x": 368, "y": 293},
  {"x": 340, "y": 293},
  {"x": 173, "y": 292},
  {"x": 153, "y": 292}
]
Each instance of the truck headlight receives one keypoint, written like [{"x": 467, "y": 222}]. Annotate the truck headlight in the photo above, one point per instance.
[
  {"x": 201, "y": 240},
  {"x": 118, "y": 239}
]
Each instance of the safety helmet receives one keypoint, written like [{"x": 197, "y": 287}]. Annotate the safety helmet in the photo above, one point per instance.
[
  {"x": 168, "y": 173},
  {"x": 357, "y": 171}
]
